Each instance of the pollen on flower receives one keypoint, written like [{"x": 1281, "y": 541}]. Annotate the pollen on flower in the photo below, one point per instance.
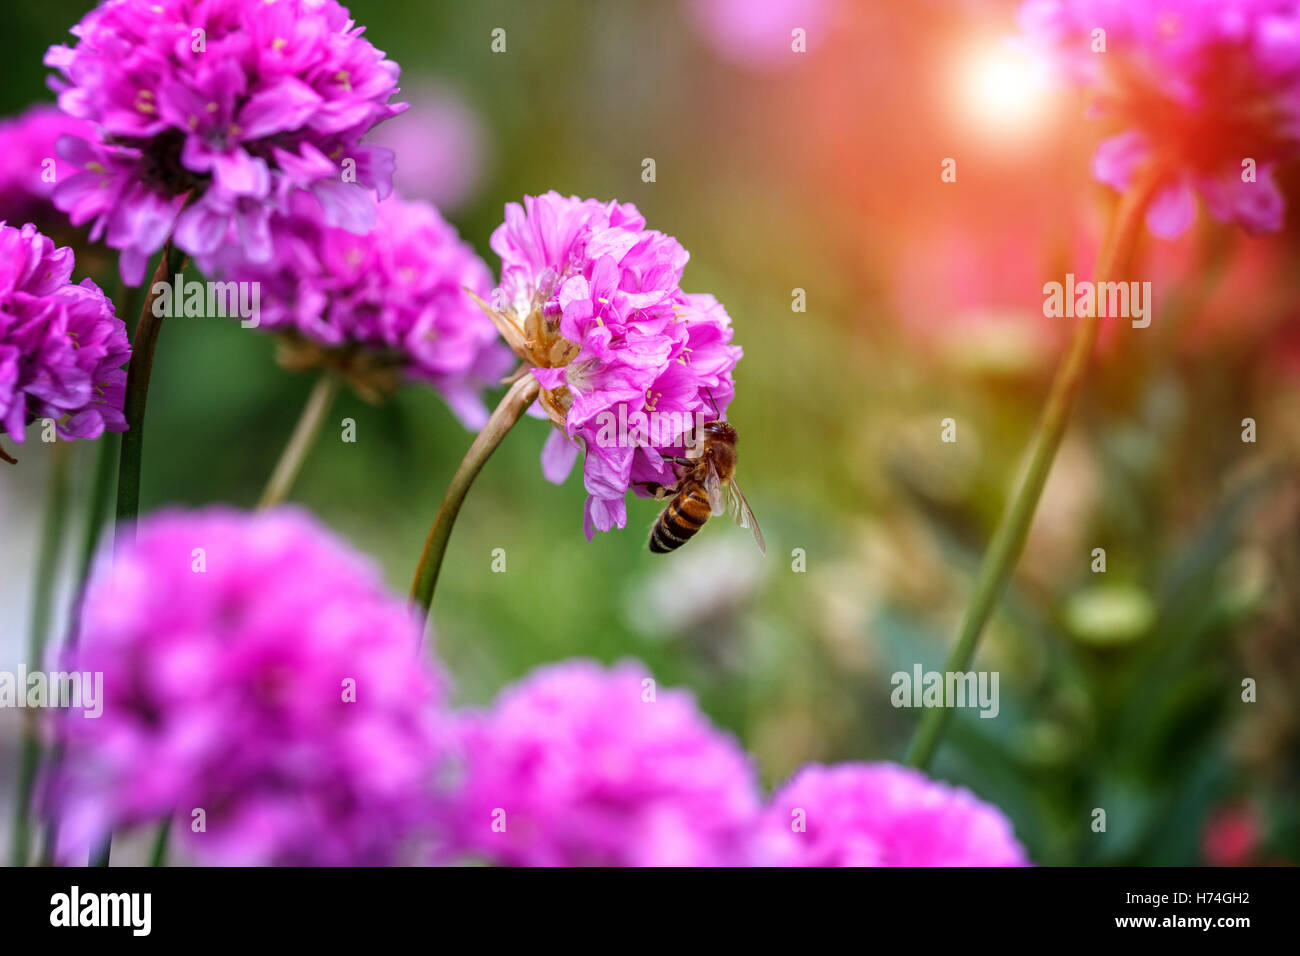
[{"x": 591, "y": 300}]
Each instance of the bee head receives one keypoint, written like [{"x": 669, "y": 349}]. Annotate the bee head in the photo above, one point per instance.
[{"x": 720, "y": 431}]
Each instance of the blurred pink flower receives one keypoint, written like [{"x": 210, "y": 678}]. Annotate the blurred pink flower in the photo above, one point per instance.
[
  {"x": 592, "y": 299},
  {"x": 986, "y": 315},
  {"x": 62, "y": 348},
  {"x": 582, "y": 765},
  {"x": 1231, "y": 836},
  {"x": 439, "y": 147},
  {"x": 881, "y": 814},
  {"x": 757, "y": 32},
  {"x": 1198, "y": 86},
  {"x": 31, "y": 166},
  {"x": 1238, "y": 295},
  {"x": 256, "y": 668},
  {"x": 396, "y": 297}
]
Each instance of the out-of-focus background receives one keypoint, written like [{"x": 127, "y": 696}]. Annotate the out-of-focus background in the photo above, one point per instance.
[{"x": 820, "y": 171}]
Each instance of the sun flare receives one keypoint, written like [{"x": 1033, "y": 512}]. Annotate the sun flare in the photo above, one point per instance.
[{"x": 1002, "y": 88}]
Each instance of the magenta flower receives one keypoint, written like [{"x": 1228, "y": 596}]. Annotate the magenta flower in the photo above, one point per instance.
[
  {"x": 61, "y": 346},
  {"x": 582, "y": 765},
  {"x": 377, "y": 305},
  {"x": 32, "y": 167},
  {"x": 881, "y": 814},
  {"x": 628, "y": 363},
  {"x": 212, "y": 115},
  {"x": 254, "y": 667},
  {"x": 1206, "y": 91}
]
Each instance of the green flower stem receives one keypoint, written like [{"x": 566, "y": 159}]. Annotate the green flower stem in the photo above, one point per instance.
[
  {"x": 304, "y": 435},
  {"x": 158, "y": 855},
  {"x": 101, "y": 493},
  {"x": 47, "y": 566},
  {"x": 507, "y": 413},
  {"x": 128, "y": 466},
  {"x": 1013, "y": 528},
  {"x": 137, "y": 396}
]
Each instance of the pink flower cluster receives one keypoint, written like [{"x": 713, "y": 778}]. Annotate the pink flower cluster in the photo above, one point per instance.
[
  {"x": 597, "y": 299},
  {"x": 212, "y": 115},
  {"x": 582, "y": 765},
  {"x": 396, "y": 294},
  {"x": 579, "y": 765},
  {"x": 254, "y": 668},
  {"x": 61, "y": 346},
  {"x": 882, "y": 815},
  {"x": 1198, "y": 86},
  {"x": 31, "y": 167}
]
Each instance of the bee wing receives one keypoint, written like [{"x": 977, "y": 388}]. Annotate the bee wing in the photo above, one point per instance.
[
  {"x": 713, "y": 485},
  {"x": 743, "y": 516}
]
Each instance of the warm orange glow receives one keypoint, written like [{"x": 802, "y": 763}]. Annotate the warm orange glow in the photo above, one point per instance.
[{"x": 1002, "y": 88}]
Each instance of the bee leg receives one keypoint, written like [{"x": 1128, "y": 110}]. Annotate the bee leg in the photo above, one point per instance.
[{"x": 657, "y": 490}]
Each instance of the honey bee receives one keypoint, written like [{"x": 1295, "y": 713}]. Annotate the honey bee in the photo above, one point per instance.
[{"x": 705, "y": 487}]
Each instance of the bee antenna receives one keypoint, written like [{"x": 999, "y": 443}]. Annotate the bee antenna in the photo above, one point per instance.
[{"x": 714, "y": 401}]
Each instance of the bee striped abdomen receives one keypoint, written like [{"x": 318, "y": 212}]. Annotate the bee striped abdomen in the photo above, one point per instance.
[{"x": 684, "y": 516}]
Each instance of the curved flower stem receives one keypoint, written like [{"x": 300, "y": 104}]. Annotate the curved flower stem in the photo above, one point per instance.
[
  {"x": 101, "y": 492},
  {"x": 511, "y": 407},
  {"x": 301, "y": 441},
  {"x": 1013, "y": 528},
  {"x": 137, "y": 397},
  {"x": 47, "y": 566}
]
